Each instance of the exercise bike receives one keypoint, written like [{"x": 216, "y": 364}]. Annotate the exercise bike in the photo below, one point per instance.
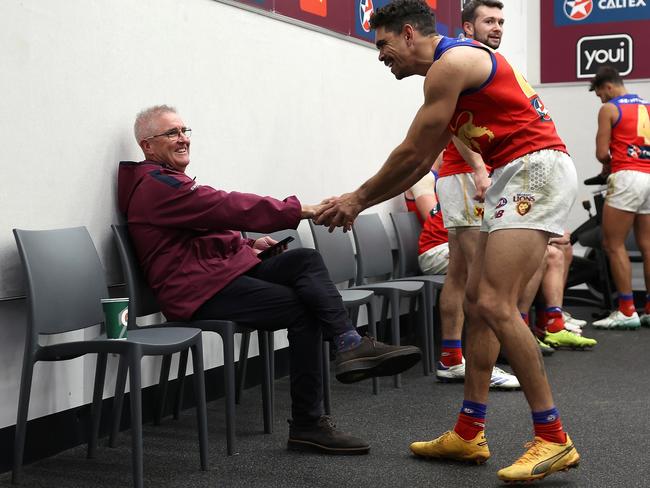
[{"x": 592, "y": 268}]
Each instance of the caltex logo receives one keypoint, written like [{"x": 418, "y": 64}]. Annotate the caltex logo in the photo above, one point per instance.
[
  {"x": 365, "y": 11},
  {"x": 578, "y": 9}
]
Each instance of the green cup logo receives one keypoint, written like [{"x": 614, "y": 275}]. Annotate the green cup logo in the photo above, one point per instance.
[{"x": 124, "y": 317}]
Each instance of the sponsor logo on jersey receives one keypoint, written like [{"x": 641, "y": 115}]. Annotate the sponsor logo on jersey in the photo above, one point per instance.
[
  {"x": 502, "y": 202},
  {"x": 539, "y": 107},
  {"x": 499, "y": 214},
  {"x": 366, "y": 9},
  {"x": 638, "y": 152},
  {"x": 578, "y": 9}
]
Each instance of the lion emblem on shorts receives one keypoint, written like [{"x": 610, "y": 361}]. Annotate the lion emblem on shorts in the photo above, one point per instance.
[
  {"x": 468, "y": 132},
  {"x": 524, "y": 207}
]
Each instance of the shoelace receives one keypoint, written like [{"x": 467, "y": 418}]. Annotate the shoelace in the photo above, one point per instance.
[
  {"x": 534, "y": 449},
  {"x": 327, "y": 421}
]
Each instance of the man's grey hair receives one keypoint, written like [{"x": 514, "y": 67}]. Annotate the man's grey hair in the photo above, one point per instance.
[{"x": 143, "y": 126}]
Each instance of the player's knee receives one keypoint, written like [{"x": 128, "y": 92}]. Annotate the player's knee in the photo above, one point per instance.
[
  {"x": 555, "y": 257},
  {"x": 491, "y": 311}
]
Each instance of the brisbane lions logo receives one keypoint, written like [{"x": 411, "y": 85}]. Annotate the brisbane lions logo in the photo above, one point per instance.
[{"x": 463, "y": 128}]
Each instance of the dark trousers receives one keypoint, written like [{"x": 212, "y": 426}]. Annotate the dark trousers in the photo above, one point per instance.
[{"x": 292, "y": 290}]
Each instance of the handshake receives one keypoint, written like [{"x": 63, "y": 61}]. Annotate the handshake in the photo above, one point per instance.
[{"x": 335, "y": 211}]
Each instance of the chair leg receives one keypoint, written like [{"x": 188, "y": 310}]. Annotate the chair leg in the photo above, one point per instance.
[
  {"x": 201, "y": 409},
  {"x": 423, "y": 321},
  {"x": 118, "y": 400},
  {"x": 267, "y": 408},
  {"x": 271, "y": 344},
  {"x": 182, "y": 370},
  {"x": 372, "y": 330},
  {"x": 227, "y": 335},
  {"x": 159, "y": 410},
  {"x": 136, "y": 418},
  {"x": 96, "y": 408},
  {"x": 21, "y": 419},
  {"x": 383, "y": 321},
  {"x": 242, "y": 365},
  {"x": 327, "y": 401},
  {"x": 395, "y": 330}
]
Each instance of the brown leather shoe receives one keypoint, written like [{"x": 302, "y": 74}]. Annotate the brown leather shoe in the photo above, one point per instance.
[
  {"x": 323, "y": 437},
  {"x": 373, "y": 358}
]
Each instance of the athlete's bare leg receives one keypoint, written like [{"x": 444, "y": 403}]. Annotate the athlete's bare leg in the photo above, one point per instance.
[
  {"x": 616, "y": 226},
  {"x": 504, "y": 263},
  {"x": 553, "y": 280},
  {"x": 530, "y": 290},
  {"x": 642, "y": 234},
  {"x": 468, "y": 239},
  {"x": 453, "y": 293}
]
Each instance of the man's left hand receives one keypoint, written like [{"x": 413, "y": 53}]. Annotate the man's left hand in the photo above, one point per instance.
[{"x": 264, "y": 243}]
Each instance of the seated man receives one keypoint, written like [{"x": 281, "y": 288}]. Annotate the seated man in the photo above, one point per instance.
[
  {"x": 555, "y": 326},
  {"x": 188, "y": 242},
  {"x": 433, "y": 243}
]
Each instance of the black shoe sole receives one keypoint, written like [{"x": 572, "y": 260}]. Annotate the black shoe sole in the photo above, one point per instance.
[
  {"x": 300, "y": 445},
  {"x": 389, "y": 364}
]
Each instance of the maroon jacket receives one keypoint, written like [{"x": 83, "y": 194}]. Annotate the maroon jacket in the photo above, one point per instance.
[{"x": 182, "y": 232}]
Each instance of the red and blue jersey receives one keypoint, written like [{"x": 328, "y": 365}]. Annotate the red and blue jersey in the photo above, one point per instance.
[
  {"x": 504, "y": 118},
  {"x": 630, "y": 142}
]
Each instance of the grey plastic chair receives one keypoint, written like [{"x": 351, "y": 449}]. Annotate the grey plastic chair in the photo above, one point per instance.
[
  {"x": 142, "y": 303},
  {"x": 407, "y": 229},
  {"x": 352, "y": 300},
  {"x": 65, "y": 283},
  {"x": 375, "y": 261},
  {"x": 338, "y": 254}
]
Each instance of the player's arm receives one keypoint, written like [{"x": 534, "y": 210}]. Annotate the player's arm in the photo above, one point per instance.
[
  {"x": 424, "y": 194},
  {"x": 607, "y": 116},
  {"x": 475, "y": 161}
]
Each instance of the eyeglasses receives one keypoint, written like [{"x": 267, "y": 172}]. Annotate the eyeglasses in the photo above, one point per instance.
[{"x": 174, "y": 134}]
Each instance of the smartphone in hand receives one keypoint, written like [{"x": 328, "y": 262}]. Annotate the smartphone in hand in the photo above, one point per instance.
[{"x": 273, "y": 250}]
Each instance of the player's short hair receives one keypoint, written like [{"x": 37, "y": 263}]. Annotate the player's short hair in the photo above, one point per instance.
[
  {"x": 605, "y": 74},
  {"x": 396, "y": 14},
  {"x": 469, "y": 10}
]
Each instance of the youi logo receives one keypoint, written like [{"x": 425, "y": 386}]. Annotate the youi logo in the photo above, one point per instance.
[
  {"x": 578, "y": 9},
  {"x": 366, "y": 9}
]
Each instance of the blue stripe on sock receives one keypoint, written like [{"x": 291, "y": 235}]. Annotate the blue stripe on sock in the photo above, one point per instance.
[
  {"x": 473, "y": 409},
  {"x": 347, "y": 340},
  {"x": 625, "y": 296},
  {"x": 553, "y": 309},
  {"x": 546, "y": 417},
  {"x": 452, "y": 344}
]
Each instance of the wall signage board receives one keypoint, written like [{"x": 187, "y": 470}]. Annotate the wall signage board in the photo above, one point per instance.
[
  {"x": 351, "y": 17},
  {"x": 579, "y": 36}
]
